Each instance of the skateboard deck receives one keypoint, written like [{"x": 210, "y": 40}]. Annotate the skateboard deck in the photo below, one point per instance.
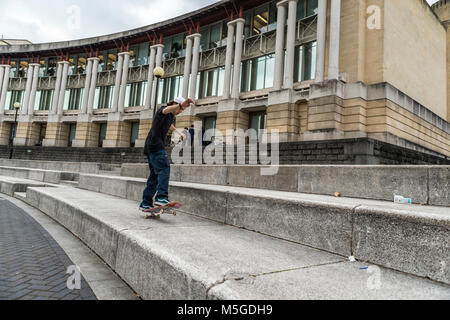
[{"x": 156, "y": 212}]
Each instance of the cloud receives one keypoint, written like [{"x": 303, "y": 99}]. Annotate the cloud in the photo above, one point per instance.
[{"x": 51, "y": 20}]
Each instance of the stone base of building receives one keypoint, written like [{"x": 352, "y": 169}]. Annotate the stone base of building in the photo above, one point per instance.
[
  {"x": 28, "y": 132},
  {"x": 57, "y": 133},
  {"x": 5, "y": 133},
  {"x": 118, "y": 133},
  {"x": 87, "y": 135},
  {"x": 145, "y": 125}
]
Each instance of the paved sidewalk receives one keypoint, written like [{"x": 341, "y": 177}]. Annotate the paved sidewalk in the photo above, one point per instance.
[{"x": 32, "y": 265}]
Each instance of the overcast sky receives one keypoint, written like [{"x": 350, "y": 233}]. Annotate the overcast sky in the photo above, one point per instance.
[{"x": 58, "y": 20}]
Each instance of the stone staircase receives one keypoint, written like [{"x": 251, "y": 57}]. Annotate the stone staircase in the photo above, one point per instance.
[{"x": 245, "y": 236}]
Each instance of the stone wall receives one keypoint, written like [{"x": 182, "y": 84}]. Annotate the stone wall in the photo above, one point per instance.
[{"x": 350, "y": 151}]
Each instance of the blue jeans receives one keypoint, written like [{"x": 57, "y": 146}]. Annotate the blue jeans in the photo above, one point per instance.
[{"x": 158, "y": 183}]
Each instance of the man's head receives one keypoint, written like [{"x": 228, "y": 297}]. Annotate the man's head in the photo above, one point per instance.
[{"x": 183, "y": 103}]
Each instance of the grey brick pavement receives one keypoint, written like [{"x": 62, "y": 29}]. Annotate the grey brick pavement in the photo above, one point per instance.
[{"x": 32, "y": 265}]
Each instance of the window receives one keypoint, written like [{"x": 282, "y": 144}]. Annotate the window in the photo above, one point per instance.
[
  {"x": 261, "y": 20},
  {"x": 306, "y": 8},
  {"x": 43, "y": 100},
  {"x": 211, "y": 83},
  {"x": 13, "y": 131},
  {"x": 103, "y": 97},
  {"x": 215, "y": 35},
  {"x": 305, "y": 62},
  {"x": 72, "y": 133},
  {"x": 111, "y": 61},
  {"x": 72, "y": 100},
  {"x": 102, "y": 134},
  {"x": 257, "y": 73},
  {"x": 170, "y": 88},
  {"x": 135, "y": 94},
  {"x": 143, "y": 54},
  {"x": 14, "y": 69},
  {"x": 81, "y": 65},
  {"x": 51, "y": 67},
  {"x": 23, "y": 69},
  {"x": 134, "y": 133},
  {"x": 13, "y": 97},
  {"x": 258, "y": 122},
  {"x": 209, "y": 124}
]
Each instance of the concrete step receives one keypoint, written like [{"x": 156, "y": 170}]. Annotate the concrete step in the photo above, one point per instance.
[
  {"x": 11, "y": 185},
  {"x": 20, "y": 195},
  {"x": 69, "y": 183},
  {"x": 424, "y": 184},
  {"x": 410, "y": 238},
  {"x": 50, "y": 176},
  {"x": 188, "y": 257},
  {"x": 85, "y": 167}
]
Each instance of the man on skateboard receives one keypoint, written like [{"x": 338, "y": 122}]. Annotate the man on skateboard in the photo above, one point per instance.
[{"x": 158, "y": 182}]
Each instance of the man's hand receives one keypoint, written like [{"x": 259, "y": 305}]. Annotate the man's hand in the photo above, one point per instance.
[{"x": 186, "y": 104}]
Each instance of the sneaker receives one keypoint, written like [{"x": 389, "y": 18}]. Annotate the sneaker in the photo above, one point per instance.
[
  {"x": 144, "y": 207},
  {"x": 161, "y": 202}
]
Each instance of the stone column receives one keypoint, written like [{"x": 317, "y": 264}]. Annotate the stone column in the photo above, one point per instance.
[
  {"x": 321, "y": 40},
  {"x": 123, "y": 87},
  {"x": 26, "y": 98},
  {"x": 279, "y": 47},
  {"x": 95, "y": 62},
  {"x": 335, "y": 26},
  {"x": 59, "y": 70},
  {"x": 87, "y": 86},
  {"x": 2, "y": 75},
  {"x": 290, "y": 45},
  {"x": 195, "y": 65},
  {"x": 238, "y": 58},
  {"x": 151, "y": 67},
  {"x": 228, "y": 62},
  {"x": 62, "y": 91},
  {"x": 4, "y": 88},
  {"x": 187, "y": 65},
  {"x": 34, "y": 86},
  {"x": 115, "y": 104}
]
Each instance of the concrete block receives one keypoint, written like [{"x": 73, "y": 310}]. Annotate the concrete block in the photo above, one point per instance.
[
  {"x": 201, "y": 202},
  {"x": 49, "y": 206},
  {"x": 401, "y": 240},
  {"x": 86, "y": 167},
  {"x": 135, "y": 170},
  {"x": 90, "y": 182},
  {"x": 368, "y": 182},
  {"x": 439, "y": 185},
  {"x": 36, "y": 175},
  {"x": 216, "y": 175},
  {"x": 102, "y": 238},
  {"x": 135, "y": 190},
  {"x": 52, "y": 177},
  {"x": 325, "y": 227},
  {"x": 250, "y": 177},
  {"x": 33, "y": 197},
  {"x": 114, "y": 187}
]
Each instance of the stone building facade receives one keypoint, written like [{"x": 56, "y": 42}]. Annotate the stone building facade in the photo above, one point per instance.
[{"x": 312, "y": 69}]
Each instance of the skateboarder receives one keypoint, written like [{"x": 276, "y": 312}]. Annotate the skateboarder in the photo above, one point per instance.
[{"x": 158, "y": 182}]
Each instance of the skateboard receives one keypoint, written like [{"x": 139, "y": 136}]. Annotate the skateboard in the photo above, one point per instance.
[{"x": 156, "y": 212}]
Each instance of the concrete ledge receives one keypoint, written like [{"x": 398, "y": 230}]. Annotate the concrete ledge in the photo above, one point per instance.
[
  {"x": 49, "y": 176},
  {"x": 10, "y": 186},
  {"x": 186, "y": 257},
  {"x": 84, "y": 167},
  {"x": 323, "y": 222},
  {"x": 424, "y": 184}
]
